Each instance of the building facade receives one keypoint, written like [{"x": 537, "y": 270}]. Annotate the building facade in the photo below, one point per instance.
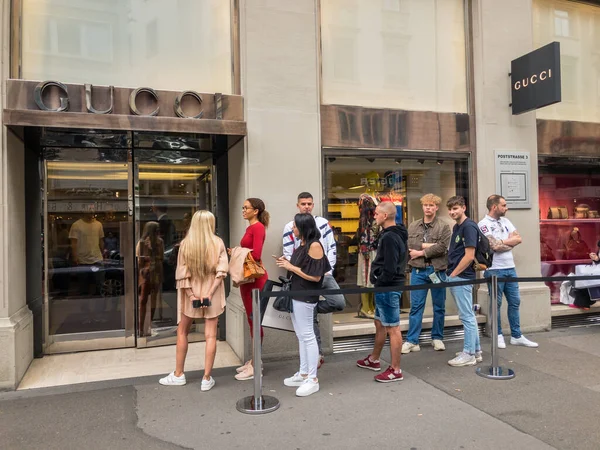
[{"x": 155, "y": 109}]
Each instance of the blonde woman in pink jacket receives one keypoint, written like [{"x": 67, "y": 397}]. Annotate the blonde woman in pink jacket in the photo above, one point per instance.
[{"x": 201, "y": 268}]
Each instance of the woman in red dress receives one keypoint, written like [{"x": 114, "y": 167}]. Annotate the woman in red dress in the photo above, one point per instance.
[{"x": 255, "y": 213}]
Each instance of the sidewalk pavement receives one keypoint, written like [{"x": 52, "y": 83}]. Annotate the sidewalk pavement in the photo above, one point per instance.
[{"x": 553, "y": 402}]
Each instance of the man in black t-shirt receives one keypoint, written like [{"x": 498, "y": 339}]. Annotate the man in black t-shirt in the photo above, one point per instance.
[{"x": 461, "y": 255}]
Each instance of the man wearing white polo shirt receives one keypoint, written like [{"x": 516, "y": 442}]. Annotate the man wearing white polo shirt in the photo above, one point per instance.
[{"x": 503, "y": 238}]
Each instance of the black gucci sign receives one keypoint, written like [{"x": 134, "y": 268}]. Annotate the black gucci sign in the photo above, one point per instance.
[{"x": 535, "y": 79}]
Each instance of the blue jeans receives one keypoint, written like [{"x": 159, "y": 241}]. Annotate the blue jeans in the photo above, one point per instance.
[
  {"x": 463, "y": 296},
  {"x": 387, "y": 308},
  {"x": 417, "y": 305},
  {"x": 513, "y": 299}
]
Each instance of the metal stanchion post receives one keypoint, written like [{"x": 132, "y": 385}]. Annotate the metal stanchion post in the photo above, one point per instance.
[
  {"x": 494, "y": 372},
  {"x": 257, "y": 403}
]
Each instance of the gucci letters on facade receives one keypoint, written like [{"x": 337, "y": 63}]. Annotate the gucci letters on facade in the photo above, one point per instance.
[
  {"x": 535, "y": 79},
  {"x": 177, "y": 106}
]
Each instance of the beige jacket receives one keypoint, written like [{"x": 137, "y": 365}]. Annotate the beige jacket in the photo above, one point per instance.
[
  {"x": 200, "y": 287},
  {"x": 236, "y": 266}
]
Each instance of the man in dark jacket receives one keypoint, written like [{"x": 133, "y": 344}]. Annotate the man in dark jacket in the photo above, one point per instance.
[{"x": 387, "y": 270}]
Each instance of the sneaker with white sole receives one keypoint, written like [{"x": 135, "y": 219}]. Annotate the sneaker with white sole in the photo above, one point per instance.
[
  {"x": 501, "y": 343},
  {"x": 523, "y": 341},
  {"x": 308, "y": 387},
  {"x": 172, "y": 380},
  {"x": 242, "y": 368},
  {"x": 463, "y": 359},
  {"x": 478, "y": 356},
  {"x": 408, "y": 347},
  {"x": 294, "y": 380},
  {"x": 207, "y": 385},
  {"x": 246, "y": 374},
  {"x": 438, "y": 345}
]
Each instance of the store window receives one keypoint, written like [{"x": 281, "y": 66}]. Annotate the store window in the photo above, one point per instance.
[
  {"x": 400, "y": 54},
  {"x": 577, "y": 27},
  {"x": 569, "y": 215},
  {"x": 175, "y": 45},
  {"x": 355, "y": 182}
]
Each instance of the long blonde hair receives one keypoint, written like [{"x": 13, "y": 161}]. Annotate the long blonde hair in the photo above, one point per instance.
[{"x": 201, "y": 246}]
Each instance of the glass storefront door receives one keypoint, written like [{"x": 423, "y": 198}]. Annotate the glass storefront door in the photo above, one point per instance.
[
  {"x": 87, "y": 235},
  {"x": 114, "y": 216},
  {"x": 168, "y": 188}
]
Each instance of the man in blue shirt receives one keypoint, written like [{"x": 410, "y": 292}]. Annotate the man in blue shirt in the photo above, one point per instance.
[{"x": 461, "y": 256}]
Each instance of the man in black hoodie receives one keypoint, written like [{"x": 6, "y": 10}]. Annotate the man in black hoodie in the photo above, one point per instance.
[{"x": 388, "y": 270}]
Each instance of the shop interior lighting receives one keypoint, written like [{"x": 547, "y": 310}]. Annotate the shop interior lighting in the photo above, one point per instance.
[
  {"x": 440, "y": 162},
  {"x": 398, "y": 161},
  {"x": 421, "y": 161}
]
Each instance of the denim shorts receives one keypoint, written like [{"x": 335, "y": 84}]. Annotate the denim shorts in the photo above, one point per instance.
[{"x": 387, "y": 308}]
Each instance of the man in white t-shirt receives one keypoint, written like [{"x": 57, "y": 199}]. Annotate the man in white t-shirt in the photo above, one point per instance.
[
  {"x": 331, "y": 303},
  {"x": 87, "y": 243},
  {"x": 503, "y": 238}
]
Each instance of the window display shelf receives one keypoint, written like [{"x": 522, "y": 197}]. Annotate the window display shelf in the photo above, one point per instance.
[
  {"x": 568, "y": 221},
  {"x": 568, "y": 261}
]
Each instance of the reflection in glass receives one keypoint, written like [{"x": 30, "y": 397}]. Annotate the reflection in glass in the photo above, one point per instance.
[
  {"x": 86, "y": 213},
  {"x": 407, "y": 54},
  {"x": 170, "y": 188},
  {"x": 577, "y": 27},
  {"x": 150, "y": 254},
  {"x": 569, "y": 192},
  {"x": 183, "y": 45},
  {"x": 356, "y": 184}
]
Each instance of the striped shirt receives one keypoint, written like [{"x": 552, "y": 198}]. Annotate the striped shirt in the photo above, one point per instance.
[{"x": 290, "y": 243}]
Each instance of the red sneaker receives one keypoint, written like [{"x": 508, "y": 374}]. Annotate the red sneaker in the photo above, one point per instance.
[
  {"x": 389, "y": 375},
  {"x": 368, "y": 363}
]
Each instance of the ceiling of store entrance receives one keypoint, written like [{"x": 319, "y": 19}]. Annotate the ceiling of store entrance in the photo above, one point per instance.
[{"x": 126, "y": 139}]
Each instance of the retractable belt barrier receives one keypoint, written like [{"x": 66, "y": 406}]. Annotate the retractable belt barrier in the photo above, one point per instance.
[
  {"x": 419, "y": 287},
  {"x": 262, "y": 404}
]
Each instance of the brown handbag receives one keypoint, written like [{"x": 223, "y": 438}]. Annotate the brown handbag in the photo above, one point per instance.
[{"x": 253, "y": 269}]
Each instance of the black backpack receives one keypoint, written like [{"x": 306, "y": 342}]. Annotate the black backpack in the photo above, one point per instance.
[{"x": 483, "y": 253}]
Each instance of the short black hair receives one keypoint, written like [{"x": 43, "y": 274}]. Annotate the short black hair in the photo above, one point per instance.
[
  {"x": 302, "y": 195},
  {"x": 307, "y": 227}
]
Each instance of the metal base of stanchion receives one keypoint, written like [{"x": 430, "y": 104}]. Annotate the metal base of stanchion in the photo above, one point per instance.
[
  {"x": 247, "y": 405},
  {"x": 495, "y": 373}
]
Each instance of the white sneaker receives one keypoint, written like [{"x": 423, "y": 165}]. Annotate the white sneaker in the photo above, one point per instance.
[
  {"x": 463, "y": 359},
  {"x": 308, "y": 387},
  {"x": 438, "y": 345},
  {"x": 408, "y": 347},
  {"x": 523, "y": 341},
  {"x": 207, "y": 385},
  {"x": 501, "y": 343},
  {"x": 478, "y": 356},
  {"x": 172, "y": 380},
  {"x": 294, "y": 380}
]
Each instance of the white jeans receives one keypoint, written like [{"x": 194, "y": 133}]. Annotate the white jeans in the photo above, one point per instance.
[{"x": 302, "y": 319}]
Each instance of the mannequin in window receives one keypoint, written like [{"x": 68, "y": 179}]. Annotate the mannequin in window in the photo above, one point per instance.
[
  {"x": 367, "y": 244},
  {"x": 392, "y": 179}
]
